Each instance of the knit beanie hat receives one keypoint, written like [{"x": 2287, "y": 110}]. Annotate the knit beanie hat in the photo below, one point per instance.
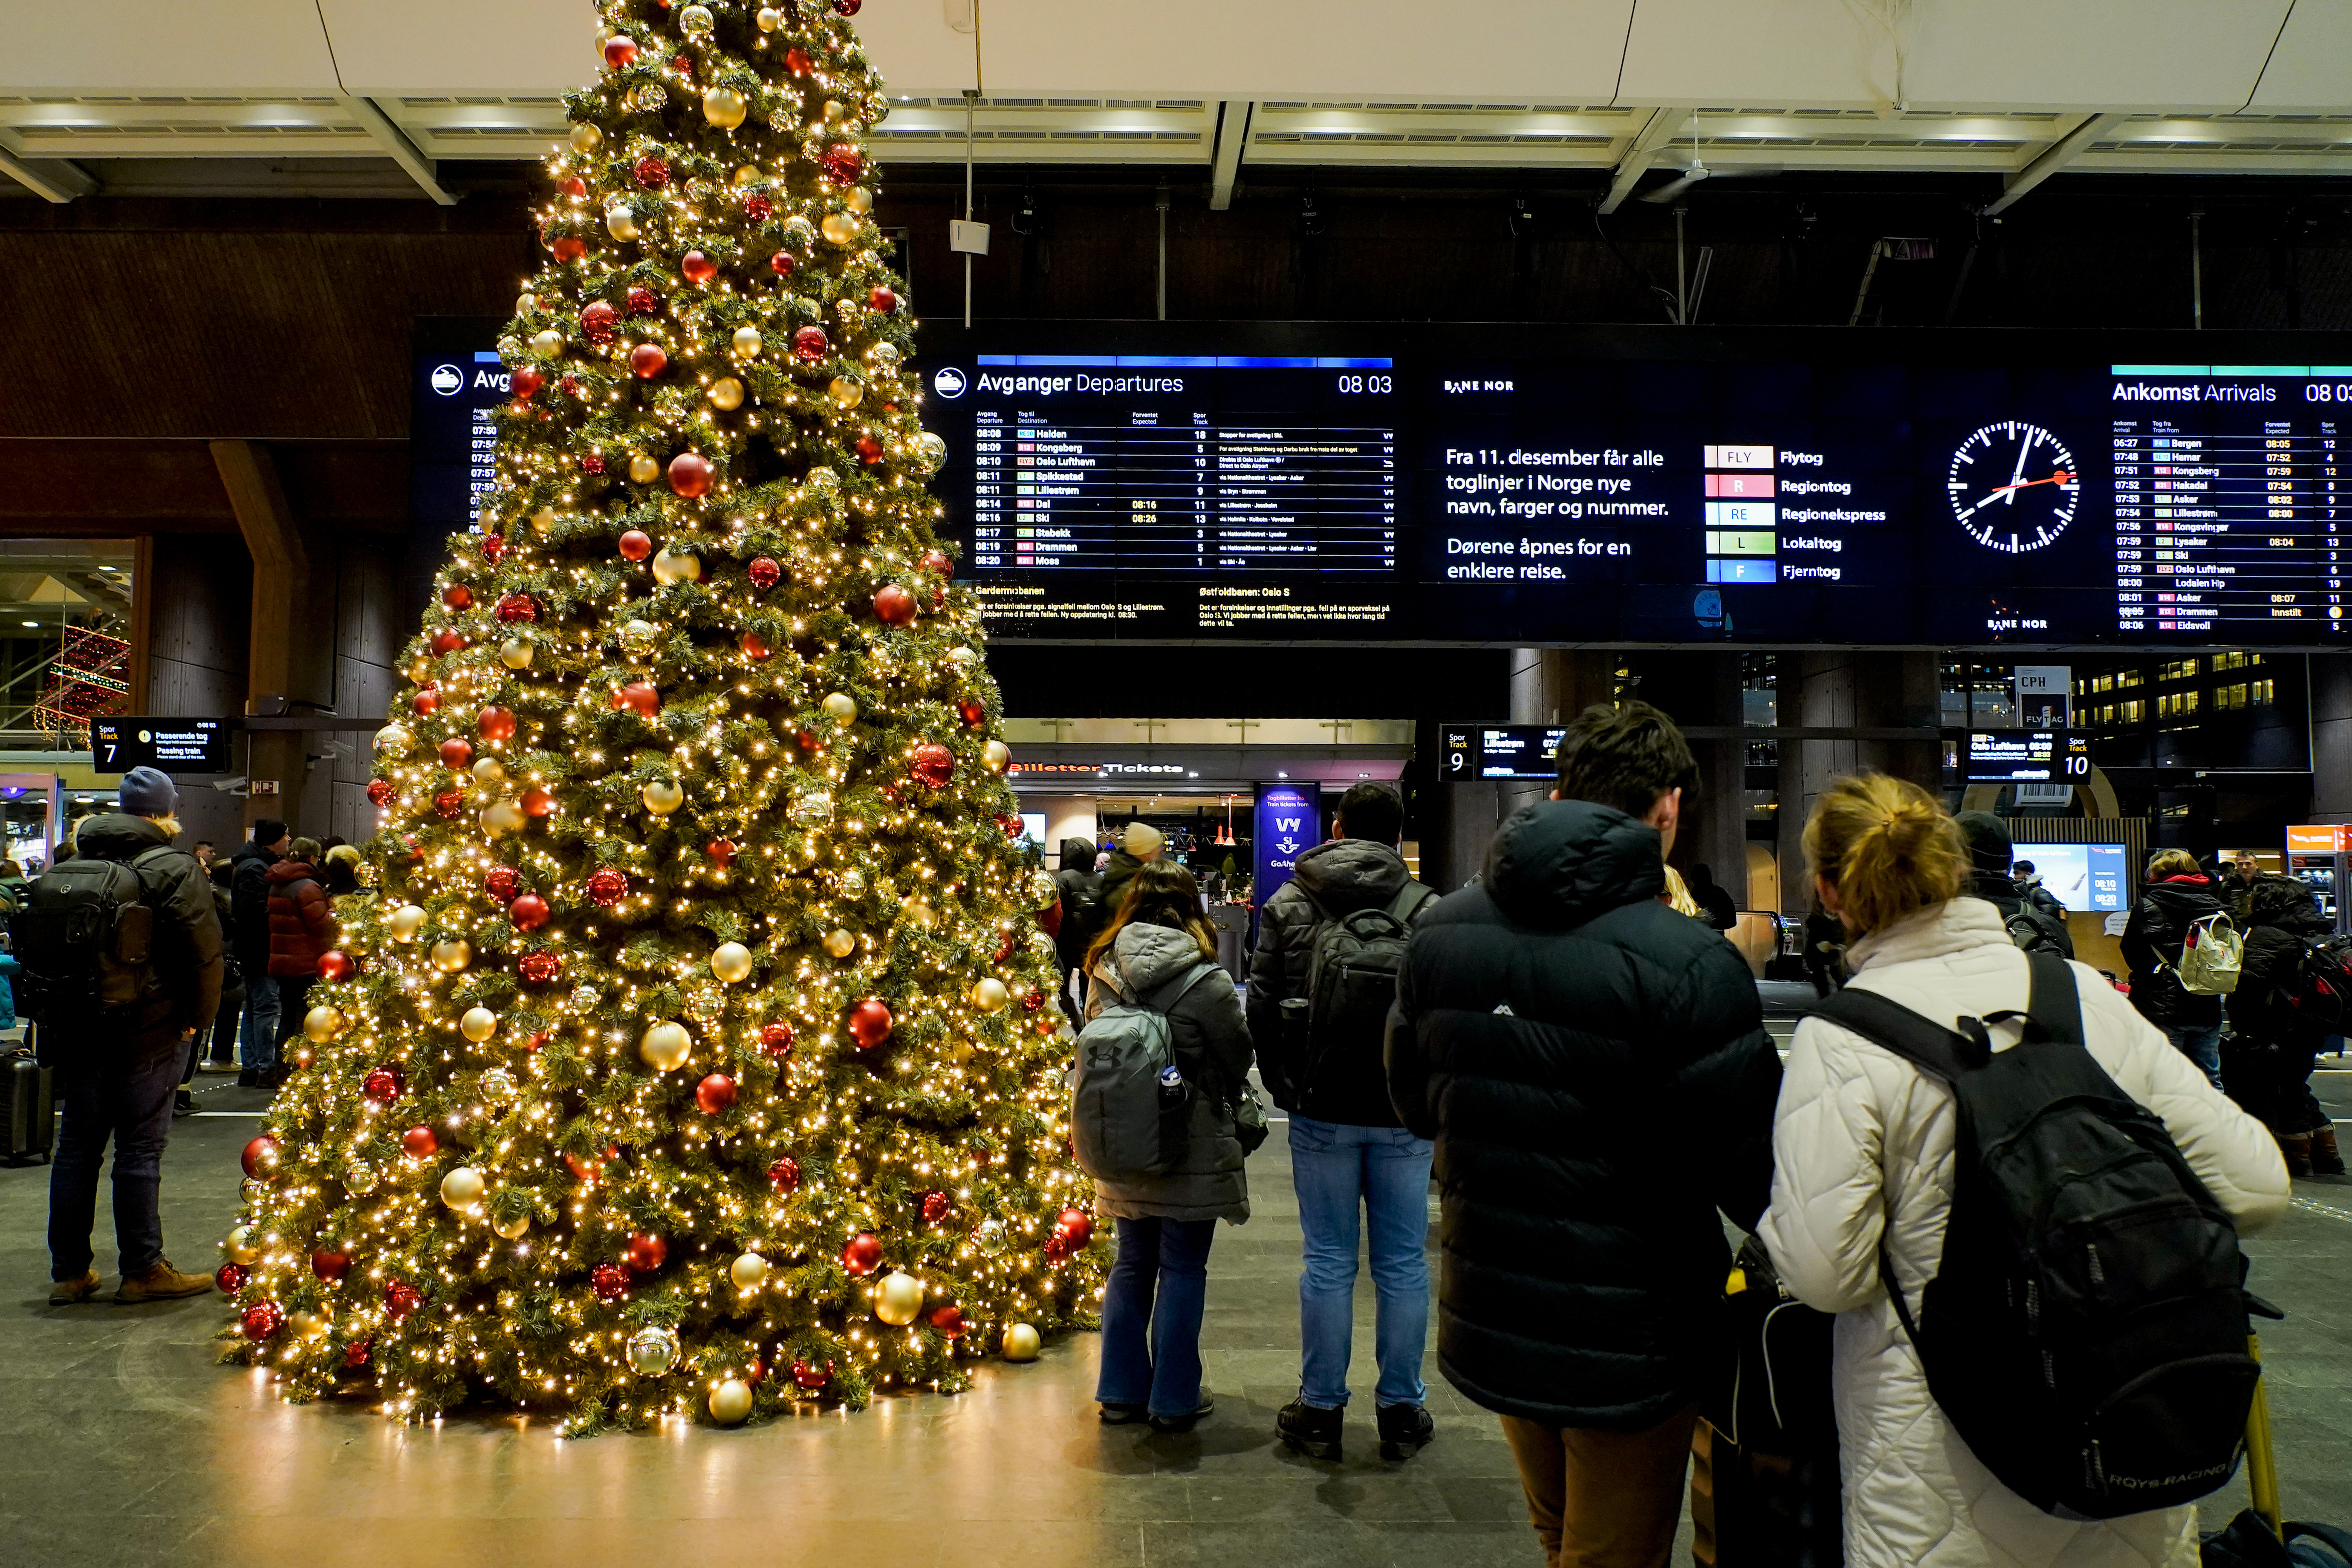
[{"x": 149, "y": 791}]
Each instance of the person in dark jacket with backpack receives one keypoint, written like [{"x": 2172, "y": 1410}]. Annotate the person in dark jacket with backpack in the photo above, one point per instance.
[
  {"x": 1595, "y": 1069},
  {"x": 2177, "y": 896},
  {"x": 1157, "y": 1288},
  {"x": 2031, "y": 927},
  {"x": 250, "y": 934},
  {"x": 301, "y": 929},
  {"x": 1080, "y": 889},
  {"x": 2266, "y": 1065},
  {"x": 118, "y": 1066},
  {"x": 1351, "y": 1159}
]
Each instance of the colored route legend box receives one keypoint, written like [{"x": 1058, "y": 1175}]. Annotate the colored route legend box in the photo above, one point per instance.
[{"x": 1740, "y": 515}]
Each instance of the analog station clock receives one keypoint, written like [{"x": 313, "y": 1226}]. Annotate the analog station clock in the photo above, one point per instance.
[{"x": 2013, "y": 487}]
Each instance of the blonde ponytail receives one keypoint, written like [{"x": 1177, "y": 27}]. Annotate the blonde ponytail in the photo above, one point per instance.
[{"x": 1888, "y": 847}]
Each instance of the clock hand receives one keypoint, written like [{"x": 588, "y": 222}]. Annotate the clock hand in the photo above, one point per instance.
[
  {"x": 2061, "y": 477},
  {"x": 2024, "y": 449}
]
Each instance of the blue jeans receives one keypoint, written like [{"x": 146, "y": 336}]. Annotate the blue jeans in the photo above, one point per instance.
[
  {"x": 1151, "y": 1315},
  {"x": 1335, "y": 1168},
  {"x": 122, "y": 1091},
  {"x": 259, "y": 1040},
  {"x": 2201, "y": 1044}
]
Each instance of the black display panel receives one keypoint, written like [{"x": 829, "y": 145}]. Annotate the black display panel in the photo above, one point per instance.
[
  {"x": 174, "y": 745},
  {"x": 2027, "y": 756}
]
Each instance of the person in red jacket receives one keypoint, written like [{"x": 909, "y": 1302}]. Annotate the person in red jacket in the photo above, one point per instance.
[{"x": 301, "y": 927}]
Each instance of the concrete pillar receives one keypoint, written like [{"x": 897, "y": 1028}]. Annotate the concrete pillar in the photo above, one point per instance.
[
  {"x": 1702, "y": 690},
  {"x": 1848, "y": 689},
  {"x": 2331, "y": 737},
  {"x": 194, "y": 651},
  {"x": 291, "y": 646}
]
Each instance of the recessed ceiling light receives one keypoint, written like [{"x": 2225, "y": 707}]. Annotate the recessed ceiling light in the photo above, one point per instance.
[
  {"x": 32, "y": 622},
  {"x": 1281, "y": 776}
]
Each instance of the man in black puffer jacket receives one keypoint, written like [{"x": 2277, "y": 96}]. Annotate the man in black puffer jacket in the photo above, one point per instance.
[
  {"x": 1595, "y": 1071},
  {"x": 2268, "y": 1060}
]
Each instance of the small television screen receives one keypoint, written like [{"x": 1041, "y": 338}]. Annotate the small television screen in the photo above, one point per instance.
[{"x": 2088, "y": 879}]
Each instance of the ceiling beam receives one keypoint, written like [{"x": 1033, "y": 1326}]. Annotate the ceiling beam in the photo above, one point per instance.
[
  {"x": 397, "y": 146},
  {"x": 1225, "y": 163},
  {"x": 1665, "y": 125},
  {"x": 51, "y": 179},
  {"x": 2051, "y": 159}
]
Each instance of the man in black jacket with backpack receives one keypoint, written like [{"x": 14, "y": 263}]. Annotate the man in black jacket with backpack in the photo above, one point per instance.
[
  {"x": 118, "y": 1030},
  {"x": 1329, "y": 943}
]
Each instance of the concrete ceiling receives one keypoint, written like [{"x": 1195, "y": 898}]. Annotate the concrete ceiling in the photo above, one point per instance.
[{"x": 1630, "y": 88}]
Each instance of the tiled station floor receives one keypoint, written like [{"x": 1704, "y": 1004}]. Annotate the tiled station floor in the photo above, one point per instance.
[{"x": 122, "y": 1442}]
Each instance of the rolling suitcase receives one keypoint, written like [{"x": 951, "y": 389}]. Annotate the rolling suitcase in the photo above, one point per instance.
[
  {"x": 29, "y": 1107},
  {"x": 2263, "y": 1536}
]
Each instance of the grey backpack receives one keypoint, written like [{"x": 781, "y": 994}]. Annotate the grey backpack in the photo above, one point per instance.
[{"x": 1130, "y": 1106}]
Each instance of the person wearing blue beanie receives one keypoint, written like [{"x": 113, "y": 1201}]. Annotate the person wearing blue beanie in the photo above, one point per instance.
[{"x": 150, "y": 792}]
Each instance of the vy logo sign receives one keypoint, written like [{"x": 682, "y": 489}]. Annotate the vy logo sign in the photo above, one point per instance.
[
  {"x": 948, "y": 382},
  {"x": 447, "y": 380},
  {"x": 1287, "y": 839}
]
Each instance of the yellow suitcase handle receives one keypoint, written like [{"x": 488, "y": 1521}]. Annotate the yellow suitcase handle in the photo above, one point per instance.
[{"x": 2261, "y": 1468}]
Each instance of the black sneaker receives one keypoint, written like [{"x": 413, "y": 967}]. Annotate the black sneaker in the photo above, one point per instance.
[
  {"x": 248, "y": 1078},
  {"x": 183, "y": 1104},
  {"x": 1309, "y": 1428},
  {"x": 1123, "y": 1415},
  {"x": 1185, "y": 1422},
  {"x": 1405, "y": 1430}
]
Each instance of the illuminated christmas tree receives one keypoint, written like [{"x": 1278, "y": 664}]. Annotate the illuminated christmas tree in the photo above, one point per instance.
[{"x": 691, "y": 1048}]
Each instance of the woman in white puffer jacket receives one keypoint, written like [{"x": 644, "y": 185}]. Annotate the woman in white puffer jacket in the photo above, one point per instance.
[{"x": 1863, "y": 1143}]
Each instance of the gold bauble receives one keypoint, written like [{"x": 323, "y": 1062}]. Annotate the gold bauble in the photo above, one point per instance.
[
  {"x": 392, "y": 740},
  {"x": 643, "y": 470},
  {"x": 840, "y": 228},
  {"x": 918, "y": 911},
  {"x": 676, "y": 565},
  {"x": 488, "y": 769},
  {"x": 639, "y": 637},
  {"x": 463, "y": 1187},
  {"x": 1022, "y": 1343},
  {"x": 748, "y": 1271},
  {"x": 988, "y": 994},
  {"x": 731, "y": 962},
  {"x": 406, "y": 923},
  {"x": 770, "y": 18},
  {"x": 515, "y": 653},
  {"x": 724, "y": 107},
  {"x": 860, "y": 200},
  {"x": 996, "y": 754},
  {"x": 666, "y": 1045},
  {"x": 501, "y": 817},
  {"x": 620, "y": 222},
  {"x": 452, "y": 954},
  {"x": 840, "y": 705},
  {"x": 731, "y": 1402},
  {"x": 846, "y": 393},
  {"x": 497, "y": 1086},
  {"x": 746, "y": 343},
  {"x": 898, "y": 1299},
  {"x": 547, "y": 344},
  {"x": 662, "y": 797},
  {"x": 244, "y": 1246},
  {"x": 322, "y": 1024},
  {"x": 544, "y": 519},
  {"x": 653, "y": 1349},
  {"x": 835, "y": 108},
  {"x": 525, "y": 303},
  {"x": 511, "y": 1229},
  {"x": 726, "y": 393},
  {"x": 309, "y": 1325},
  {"x": 839, "y": 943},
  {"x": 478, "y": 1024},
  {"x": 585, "y": 137},
  {"x": 749, "y": 174}
]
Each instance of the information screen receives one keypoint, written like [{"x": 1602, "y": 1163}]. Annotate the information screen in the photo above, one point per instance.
[
  {"x": 1507, "y": 750},
  {"x": 2088, "y": 879},
  {"x": 1469, "y": 485},
  {"x": 174, "y": 745}
]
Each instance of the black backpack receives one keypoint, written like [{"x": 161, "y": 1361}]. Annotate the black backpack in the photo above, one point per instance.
[
  {"x": 84, "y": 938},
  {"x": 2085, "y": 1332},
  {"x": 2315, "y": 996},
  {"x": 1352, "y": 963},
  {"x": 2030, "y": 935}
]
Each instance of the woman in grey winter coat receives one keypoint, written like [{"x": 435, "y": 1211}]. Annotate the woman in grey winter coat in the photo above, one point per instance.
[{"x": 1158, "y": 947}]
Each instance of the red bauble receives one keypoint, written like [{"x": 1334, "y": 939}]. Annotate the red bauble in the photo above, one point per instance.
[
  {"x": 894, "y": 606},
  {"x": 722, "y": 852},
  {"x": 811, "y": 344},
  {"x": 971, "y": 712},
  {"x": 620, "y": 51},
  {"x": 784, "y": 1175},
  {"x": 635, "y": 545},
  {"x": 1076, "y": 1225},
  {"x": 682, "y": 64},
  {"x": 494, "y": 724},
  {"x": 651, "y": 172},
  {"x": 755, "y": 647},
  {"x": 447, "y": 641},
  {"x": 937, "y": 560},
  {"x": 757, "y": 1372},
  {"x": 592, "y": 462},
  {"x": 689, "y": 474},
  {"x": 881, "y": 300},
  {"x": 456, "y": 753},
  {"x": 1005, "y": 935},
  {"x": 336, "y": 964},
  {"x": 843, "y": 165},
  {"x": 493, "y": 547},
  {"x": 608, "y": 886},
  {"x": 400, "y": 1299},
  {"x": 568, "y": 246},
  {"x": 797, "y": 61},
  {"x": 262, "y": 1320},
  {"x": 949, "y": 1321},
  {"x": 807, "y": 742},
  {"x": 1034, "y": 1001},
  {"x": 862, "y": 1255},
  {"x": 870, "y": 1023},
  {"x": 529, "y": 912},
  {"x": 380, "y": 791},
  {"x": 644, "y": 302},
  {"x": 458, "y": 596},
  {"x": 699, "y": 267},
  {"x": 596, "y": 323},
  {"x": 230, "y": 1278},
  {"x": 1056, "y": 1248},
  {"x": 647, "y": 360},
  {"x": 776, "y": 1037},
  {"x": 575, "y": 186},
  {"x": 449, "y": 805},
  {"x": 524, "y": 382},
  {"x": 609, "y": 1281},
  {"x": 502, "y": 883},
  {"x": 537, "y": 802},
  {"x": 645, "y": 1253},
  {"x": 847, "y": 8},
  {"x": 639, "y": 695},
  {"x": 758, "y": 208},
  {"x": 419, "y": 1144},
  {"x": 781, "y": 264},
  {"x": 589, "y": 1169},
  {"x": 426, "y": 701},
  {"x": 764, "y": 573},
  {"x": 260, "y": 1157},
  {"x": 384, "y": 1085},
  {"x": 937, "y": 1206},
  {"x": 513, "y": 607},
  {"x": 933, "y": 764},
  {"x": 356, "y": 1354},
  {"x": 715, "y": 1095},
  {"x": 329, "y": 1265},
  {"x": 1010, "y": 824},
  {"x": 541, "y": 967},
  {"x": 805, "y": 1376},
  {"x": 869, "y": 450}
]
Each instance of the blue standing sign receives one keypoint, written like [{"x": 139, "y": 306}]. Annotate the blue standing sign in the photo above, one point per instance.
[{"x": 1289, "y": 823}]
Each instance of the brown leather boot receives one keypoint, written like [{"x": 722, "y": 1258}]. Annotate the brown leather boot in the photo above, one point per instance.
[
  {"x": 68, "y": 1292},
  {"x": 2325, "y": 1159},
  {"x": 2297, "y": 1147},
  {"x": 162, "y": 1283}
]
